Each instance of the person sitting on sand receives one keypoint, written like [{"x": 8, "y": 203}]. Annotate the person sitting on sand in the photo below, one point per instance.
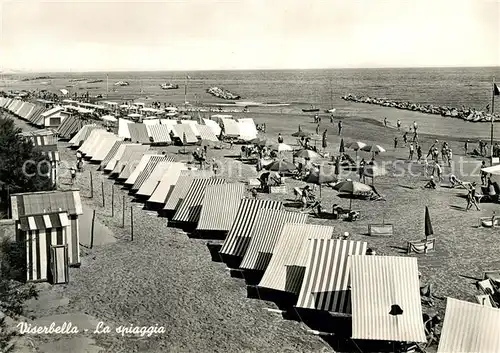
[
  {"x": 431, "y": 184},
  {"x": 454, "y": 181},
  {"x": 426, "y": 290}
]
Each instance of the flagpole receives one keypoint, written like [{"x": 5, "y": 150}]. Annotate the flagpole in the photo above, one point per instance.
[
  {"x": 185, "y": 92},
  {"x": 492, "y": 118}
]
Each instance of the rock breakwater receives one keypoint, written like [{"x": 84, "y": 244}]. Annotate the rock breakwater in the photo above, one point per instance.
[{"x": 464, "y": 113}]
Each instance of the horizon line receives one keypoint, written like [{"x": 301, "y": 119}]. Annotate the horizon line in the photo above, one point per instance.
[{"x": 23, "y": 71}]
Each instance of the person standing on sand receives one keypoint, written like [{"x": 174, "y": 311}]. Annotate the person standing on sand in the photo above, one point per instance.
[
  {"x": 415, "y": 137},
  {"x": 399, "y": 125},
  {"x": 385, "y": 122},
  {"x": 405, "y": 138},
  {"x": 415, "y": 126},
  {"x": 471, "y": 198},
  {"x": 411, "y": 152},
  {"x": 340, "y": 127},
  {"x": 395, "y": 143},
  {"x": 419, "y": 153},
  {"x": 317, "y": 129}
]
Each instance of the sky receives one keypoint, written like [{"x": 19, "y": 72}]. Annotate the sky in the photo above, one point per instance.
[{"x": 247, "y": 34}]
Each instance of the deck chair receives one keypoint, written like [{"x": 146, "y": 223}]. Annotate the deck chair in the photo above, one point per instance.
[{"x": 421, "y": 246}]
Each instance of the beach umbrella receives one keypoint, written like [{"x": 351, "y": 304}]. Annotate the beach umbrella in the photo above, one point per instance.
[
  {"x": 110, "y": 118},
  {"x": 355, "y": 145},
  {"x": 341, "y": 148},
  {"x": 353, "y": 188},
  {"x": 373, "y": 148},
  {"x": 281, "y": 147},
  {"x": 307, "y": 154},
  {"x": 321, "y": 177},
  {"x": 281, "y": 166}
]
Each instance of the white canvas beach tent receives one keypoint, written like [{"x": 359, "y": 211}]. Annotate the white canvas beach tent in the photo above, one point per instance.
[
  {"x": 123, "y": 128},
  {"x": 213, "y": 125},
  {"x": 105, "y": 147},
  {"x": 118, "y": 155},
  {"x": 167, "y": 183},
  {"x": 248, "y": 130},
  {"x": 98, "y": 142},
  {"x": 140, "y": 167}
]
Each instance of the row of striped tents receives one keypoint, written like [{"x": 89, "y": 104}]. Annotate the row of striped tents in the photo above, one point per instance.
[
  {"x": 111, "y": 153},
  {"x": 266, "y": 231},
  {"x": 181, "y": 188},
  {"x": 148, "y": 169},
  {"x": 190, "y": 208},
  {"x": 238, "y": 236},
  {"x": 125, "y": 158},
  {"x": 385, "y": 295},
  {"x": 69, "y": 127},
  {"x": 160, "y": 134},
  {"x": 220, "y": 206},
  {"x": 139, "y": 168},
  {"x": 133, "y": 162},
  {"x": 327, "y": 275},
  {"x": 104, "y": 147},
  {"x": 117, "y": 156},
  {"x": 286, "y": 269},
  {"x": 167, "y": 183},
  {"x": 138, "y": 133},
  {"x": 83, "y": 134},
  {"x": 152, "y": 180}
]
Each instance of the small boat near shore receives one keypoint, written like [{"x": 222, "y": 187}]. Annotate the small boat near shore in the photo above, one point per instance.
[
  {"x": 310, "y": 110},
  {"x": 167, "y": 86}
]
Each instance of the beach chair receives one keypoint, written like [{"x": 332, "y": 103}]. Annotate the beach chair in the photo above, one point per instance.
[
  {"x": 421, "y": 246},
  {"x": 485, "y": 299}
]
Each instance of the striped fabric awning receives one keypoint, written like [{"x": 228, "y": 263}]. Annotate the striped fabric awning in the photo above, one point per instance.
[
  {"x": 44, "y": 221},
  {"x": 182, "y": 187},
  {"x": 237, "y": 239},
  {"x": 167, "y": 183},
  {"x": 133, "y": 162},
  {"x": 181, "y": 130},
  {"x": 159, "y": 133},
  {"x": 206, "y": 133},
  {"x": 266, "y": 231},
  {"x": 220, "y": 206},
  {"x": 111, "y": 153},
  {"x": 213, "y": 125},
  {"x": 103, "y": 148},
  {"x": 69, "y": 126},
  {"x": 140, "y": 167},
  {"x": 151, "y": 182},
  {"x": 127, "y": 154},
  {"x": 326, "y": 280},
  {"x": 139, "y": 133},
  {"x": 379, "y": 283},
  {"x": 287, "y": 266},
  {"x": 118, "y": 155},
  {"x": 148, "y": 169},
  {"x": 469, "y": 327},
  {"x": 189, "y": 209}
]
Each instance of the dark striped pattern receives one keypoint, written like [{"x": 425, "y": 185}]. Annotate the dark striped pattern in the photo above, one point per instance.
[
  {"x": 378, "y": 282},
  {"x": 69, "y": 126},
  {"x": 133, "y": 162},
  {"x": 94, "y": 137},
  {"x": 140, "y": 167},
  {"x": 286, "y": 268},
  {"x": 82, "y": 135},
  {"x": 237, "y": 239},
  {"x": 190, "y": 208},
  {"x": 152, "y": 181},
  {"x": 265, "y": 233},
  {"x": 327, "y": 278},
  {"x": 148, "y": 169},
  {"x": 38, "y": 245},
  {"x": 160, "y": 133},
  {"x": 44, "y": 221},
  {"x": 111, "y": 153},
  {"x": 220, "y": 206},
  {"x": 181, "y": 188},
  {"x": 138, "y": 133}
]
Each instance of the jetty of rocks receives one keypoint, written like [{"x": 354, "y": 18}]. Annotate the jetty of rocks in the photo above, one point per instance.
[{"x": 464, "y": 113}]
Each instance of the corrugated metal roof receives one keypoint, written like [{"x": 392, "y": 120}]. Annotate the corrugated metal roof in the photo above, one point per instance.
[
  {"x": 378, "y": 283},
  {"x": 37, "y": 110},
  {"x": 469, "y": 327},
  {"x": 46, "y": 201},
  {"x": 182, "y": 187},
  {"x": 123, "y": 130},
  {"x": 118, "y": 155},
  {"x": 180, "y": 130},
  {"x": 287, "y": 266},
  {"x": 104, "y": 147},
  {"x": 147, "y": 170},
  {"x": 207, "y": 134},
  {"x": 150, "y": 184},
  {"x": 139, "y": 133},
  {"x": 265, "y": 233},
  {"x": 167, "y": 183},
  {"x": 213, "y": 125},
  {"x": 160, "y": 133},
  {"x": 125, "y": 157},
  {"x": 238, "y": 237},
  {"x": 140, "y": 167},
  {"x": 231, "y": 127},
  {"x": 220, "y": 206},
  {"x": 189, "y": 209},
  {"x": 327, "y": 275},
  {"x": 193, "y": 124},
  {"x": 69, "y": 126},
  {"x": 133, "y": 163},
  {"x": 112, "y": 153}
]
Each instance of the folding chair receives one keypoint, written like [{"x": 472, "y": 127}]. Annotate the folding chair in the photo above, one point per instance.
[{"x": 421, "y": 246}]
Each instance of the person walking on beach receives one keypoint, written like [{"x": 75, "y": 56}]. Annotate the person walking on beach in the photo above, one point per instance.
[
  {"x": 419, "y": 153},
  {"x": 385, "y": 122},
  {"x": 471, "y": 198},
  {"x": 399, "y": 125},
  {"x": 415, "y": 126},
  {"x": 395, "y": 143},
  {"x": 317, "y": 129},
  {"x": 415, "y": 137},
  {"x": 466, "y": 146},
  {"x": 73, "y": 175},
  {"x": 411, "y": 152},
  {"x": 340, "y": 127},
  {"x": 483, "y": 173},
  {"x": 405, "y": 138}
]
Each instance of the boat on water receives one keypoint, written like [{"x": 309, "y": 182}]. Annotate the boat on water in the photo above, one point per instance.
[
  {"x": 311, "y": 110},
  {"x": 168, "y": 86},
  {"x": 122, "y": 83}
]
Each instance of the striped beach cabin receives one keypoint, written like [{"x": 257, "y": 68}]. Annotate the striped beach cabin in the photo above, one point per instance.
[{"x": 44, "y": 220}]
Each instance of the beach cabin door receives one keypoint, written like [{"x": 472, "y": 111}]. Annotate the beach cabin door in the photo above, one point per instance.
[{"x": 59, "y": 264}]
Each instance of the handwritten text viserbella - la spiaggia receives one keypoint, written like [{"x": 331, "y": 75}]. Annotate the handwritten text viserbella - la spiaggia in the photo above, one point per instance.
[{"x": 101, "y": 328}]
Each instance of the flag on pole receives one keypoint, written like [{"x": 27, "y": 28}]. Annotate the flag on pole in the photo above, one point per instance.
[
  {"x": 428, "y": 224},
  {"x": 496, "y": 90}
]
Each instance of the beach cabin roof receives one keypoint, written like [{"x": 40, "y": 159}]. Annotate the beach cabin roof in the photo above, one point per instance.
[
  {"x": 285, "y": 271},
  {"x": 238, "y": 237},
  {"x": 46, "y": 201},
  {"x": 220, "y": 206},
  {"x": 326, "y": 279},
  {"x": 377, "y": 284},
  {"x": 264, "y": 235},
  {"x": 52, "y": 111},
  {"x": 118, "y": 155},
  {"x": 132, "y": 163},
  {"x": 167, "y": 183},
  {"x": 182, "y": 186},
  {"x": 189, "y": 209},
  {"x": 69, "y": 126},
  {"x": 83, "y": 134},
  {"x": 469, "y": 327}
]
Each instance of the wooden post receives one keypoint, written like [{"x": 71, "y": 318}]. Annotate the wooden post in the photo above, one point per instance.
[
  {"x": 123, "y": 212},
  {"x": 91, "y": 186},
  {"x": 131, "y": 223},
  {"x": 92, "y": 230},
  {"x": 112, "y": 201},
  {"x": 102, "y": 190}
]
